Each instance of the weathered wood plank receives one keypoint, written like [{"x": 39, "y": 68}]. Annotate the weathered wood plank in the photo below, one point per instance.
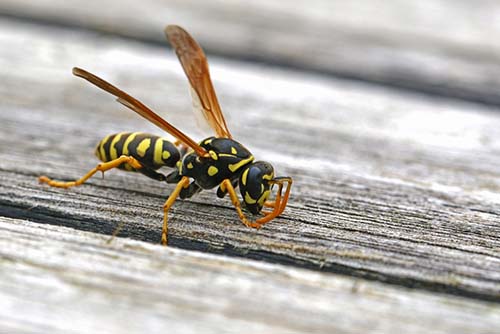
[
  {"x": 441, "y": 46},
  {"x": 65, "y": 280},
  {"x": 396, "y": 187}
]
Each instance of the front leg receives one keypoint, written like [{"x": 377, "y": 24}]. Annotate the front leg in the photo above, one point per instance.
[{"x": 279, "y": 205}]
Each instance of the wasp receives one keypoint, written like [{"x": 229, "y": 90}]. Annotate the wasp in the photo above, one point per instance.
[{"x": 215, "y": 161}]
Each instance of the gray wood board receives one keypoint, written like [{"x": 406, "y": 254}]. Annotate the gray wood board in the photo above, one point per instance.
[
  {"x": 447, "y": 47},
  {"x": 396, "y": 187},
  {"x": 68, "y": 281}
]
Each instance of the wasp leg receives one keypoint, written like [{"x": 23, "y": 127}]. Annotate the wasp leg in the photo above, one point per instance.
[
  {"x": 279, "y": 203},
  {"x": 173, "y": 177},
  {"x": 221, "y": 192},
  {"x": 190, "y": 191},
  {"x": 183, "y": 183},
  {"x": 270, "y": 204},
  {"x": 280, "y": 181},
  {"x": 151, "y": 173},
  {"x": 102, "y": 167}
]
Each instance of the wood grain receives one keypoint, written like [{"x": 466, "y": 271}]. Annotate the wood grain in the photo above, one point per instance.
[
  {"x": 443, "y": 47},
  {"x": 395, "y": 187},
  {"x": 72, "y": 281}
]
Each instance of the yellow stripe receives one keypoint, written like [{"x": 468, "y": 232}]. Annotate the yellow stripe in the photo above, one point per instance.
[
  {"x": 263, "y": 197},
  {"x": 101, "y": 147},
  {"x": 158, "y": 152},
  {"x": 128, "y": 141},
  {"x": 97, "y": 151},
  {"x": 244, "y": 176},
  {"x": 179, "y": 166},
  {"x": 248, "y": 199},
  {"x": 143, "y": 147},
  {"x": 234, "y": 167},
  {"x": 112, "y": 150}
]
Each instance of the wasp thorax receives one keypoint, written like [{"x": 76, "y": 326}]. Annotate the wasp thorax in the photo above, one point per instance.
[
  {"x": 254, "y": 185},
  {"x": 225, "y": 160}
]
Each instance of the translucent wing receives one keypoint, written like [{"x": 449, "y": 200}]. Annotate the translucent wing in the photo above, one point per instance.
[
  {"x": 194, "y": 63},
  {"x": 139, "y": 108}
]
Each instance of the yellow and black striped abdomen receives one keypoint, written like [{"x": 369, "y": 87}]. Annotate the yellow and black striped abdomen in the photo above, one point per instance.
[{"x": 151, "y": 151}]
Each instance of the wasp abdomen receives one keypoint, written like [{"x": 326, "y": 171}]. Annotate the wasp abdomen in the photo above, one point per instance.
[{"x": 151, "y": 151}]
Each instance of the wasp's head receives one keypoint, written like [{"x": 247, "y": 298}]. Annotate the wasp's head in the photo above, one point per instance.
[{"x": 255, "y": 185}]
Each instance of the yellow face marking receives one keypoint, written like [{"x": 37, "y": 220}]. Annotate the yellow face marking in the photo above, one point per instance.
[
  {"x": 128, "y": 141},
  {"x": 213, "y": 155},
  {"x": 263, "y": 197},
  {"x": 190, "y": 165},
  {"x": 244, "y": 177},
  {"x": 233, "y": 150},
  {"x": 101, "y": 148},
  {"x": 234, "y": 167},
  {"x": 268, "y": 176},
  {"x": 112, "y": 149},
  {"x": 212, "y": 170},
  {"x": 143, "y": 147},
  {"x": 249, "y": 199},
  {"x": 208, "y": 141},
  {"x": 158, "y": 152}
]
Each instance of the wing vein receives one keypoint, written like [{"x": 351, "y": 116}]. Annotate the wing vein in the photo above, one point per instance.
[
  {"x": 139, "y": 108},
  {"x": 195, "y": 65}
]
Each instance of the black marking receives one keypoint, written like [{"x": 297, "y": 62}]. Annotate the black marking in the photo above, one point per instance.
[
  {"x": 106, "y": 144},
  {"x": 131, "y": 149},
  {"x": 222, "y": 148},
  {"x": 257, "y": 183},
  {"x": 120, "y": 142}
]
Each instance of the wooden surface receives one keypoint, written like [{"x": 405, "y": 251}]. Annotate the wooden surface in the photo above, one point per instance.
[
  {"x": 395, "y": 187},
  {"x": 151, "y": 289},
  {"x": 443, "y": 47}
]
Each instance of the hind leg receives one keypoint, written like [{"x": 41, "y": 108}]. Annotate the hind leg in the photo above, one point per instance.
[{"x": 102, "y": 167}]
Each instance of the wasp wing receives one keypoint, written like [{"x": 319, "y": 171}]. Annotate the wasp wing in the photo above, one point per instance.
[
  {"x": 195, "y": 65},
  {"x": 139, "y": 108}
]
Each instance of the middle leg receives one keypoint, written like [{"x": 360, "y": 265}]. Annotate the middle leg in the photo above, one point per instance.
[{"x": 183, "y": 183}]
